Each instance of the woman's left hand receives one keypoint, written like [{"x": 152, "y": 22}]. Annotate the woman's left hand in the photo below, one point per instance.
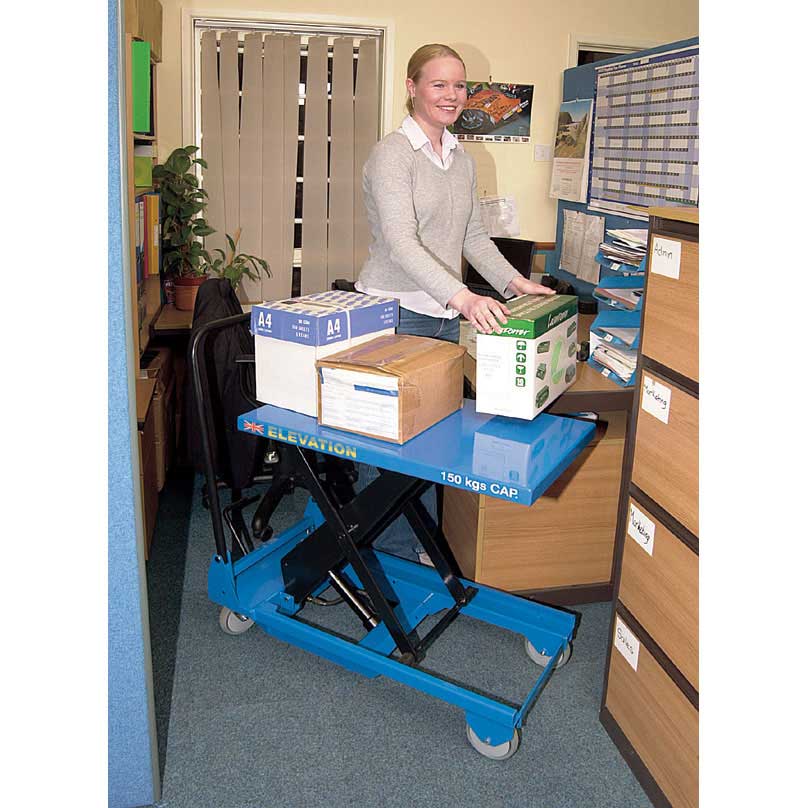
[{"x": 522, "y": 286}]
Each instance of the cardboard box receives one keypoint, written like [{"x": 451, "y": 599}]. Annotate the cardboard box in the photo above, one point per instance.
[
  {"x": 291, "y": 335},
  {"x": 468, "y": 338},
  {"x": 522, "y": 370},
  {"x": 392, "y": 388},
  {"x": 144, "y": 19},
  {"x": 150, "y": 25}
]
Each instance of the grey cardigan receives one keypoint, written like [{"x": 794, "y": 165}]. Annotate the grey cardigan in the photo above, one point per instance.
[{"x": 422, "y": 219}]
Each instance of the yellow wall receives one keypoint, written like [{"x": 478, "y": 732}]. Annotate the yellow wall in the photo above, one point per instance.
[{"x": 523, "y": 41}]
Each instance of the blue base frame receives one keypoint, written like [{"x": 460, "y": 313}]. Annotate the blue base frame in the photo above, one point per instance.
[{"x": 253, "y": 586}]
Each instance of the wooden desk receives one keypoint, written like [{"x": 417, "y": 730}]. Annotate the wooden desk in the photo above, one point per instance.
[{"x": 561, "y": 548}]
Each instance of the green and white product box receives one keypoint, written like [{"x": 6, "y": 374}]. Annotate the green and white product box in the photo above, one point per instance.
[{"x": 522, "y": 370}]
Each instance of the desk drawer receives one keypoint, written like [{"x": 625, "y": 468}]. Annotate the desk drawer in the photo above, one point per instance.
[
  {"x": 657, "y": 719},
  {"x": 666, "y": 454},
  {"x": 659, "y": 584},
  {"x": 671, "y": 326}
]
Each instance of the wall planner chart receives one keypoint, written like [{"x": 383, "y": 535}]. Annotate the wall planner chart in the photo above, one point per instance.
[{"x": 646, "y": 134}]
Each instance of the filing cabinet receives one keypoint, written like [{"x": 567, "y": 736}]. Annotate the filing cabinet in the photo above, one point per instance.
[
  {"x": 666, "y": 449},
  {"x": 671, "y": 328},
  {"x": 659, "y": 585},
  {"x": 650, "y": 697},
  {"x": 657, "y": 719}
]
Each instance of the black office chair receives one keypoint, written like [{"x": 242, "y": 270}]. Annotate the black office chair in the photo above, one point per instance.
[{"x": 221, "y": 386}]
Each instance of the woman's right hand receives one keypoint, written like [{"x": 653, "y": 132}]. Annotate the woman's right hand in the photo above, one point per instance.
[{"x": 482, "y": 312}]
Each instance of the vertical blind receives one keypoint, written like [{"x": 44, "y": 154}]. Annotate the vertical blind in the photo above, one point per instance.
[{"x": 287, "y": 119}]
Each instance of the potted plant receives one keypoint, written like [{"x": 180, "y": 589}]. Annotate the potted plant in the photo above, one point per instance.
[
  {"x": 234, "y": 267},
  {"x": 185, "y": 259}
]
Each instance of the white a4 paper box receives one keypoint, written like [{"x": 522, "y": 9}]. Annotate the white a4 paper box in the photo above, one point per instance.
[
  {"x": 522, "y": 370},
  {"x": 291, "y": 335}
]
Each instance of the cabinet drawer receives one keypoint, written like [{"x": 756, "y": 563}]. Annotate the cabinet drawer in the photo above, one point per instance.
[
  {"x": 666, "y": 455},
  {"x": 658, "y": 720},
  {"x": 659, "y": 584},
  {"x": 671, "y": 326}
]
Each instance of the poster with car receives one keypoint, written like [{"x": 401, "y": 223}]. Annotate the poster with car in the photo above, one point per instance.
[
  {"x": 571, "y": 153},
  {"x": 496, "y": 112}
]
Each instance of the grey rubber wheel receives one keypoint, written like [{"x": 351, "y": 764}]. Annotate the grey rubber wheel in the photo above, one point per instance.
[
  {"x": 544, "y": 659},
  {"x": 233, "y": 623},
  {"x": 500, "y": 751}
]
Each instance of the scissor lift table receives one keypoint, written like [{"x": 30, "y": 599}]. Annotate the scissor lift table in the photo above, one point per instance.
[{"x": 331, "y": 546}]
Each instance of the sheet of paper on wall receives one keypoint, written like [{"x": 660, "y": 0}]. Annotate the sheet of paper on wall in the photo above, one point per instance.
[
  {"x": 580, "y": 241},
  {"x": 645, "y": 141},
  {"x": 499, "y": 216},
  {"x": 571, "y": 155}
]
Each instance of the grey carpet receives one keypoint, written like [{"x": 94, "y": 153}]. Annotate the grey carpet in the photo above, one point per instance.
[{"x": 257, "y": 723}]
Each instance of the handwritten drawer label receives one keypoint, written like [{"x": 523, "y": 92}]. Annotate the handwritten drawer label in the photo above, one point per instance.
[
  {"x": 666, "y": 257},
  {"x": 626, "y": 643},
  {"x": 641, "y": 529},
  {"x": 656, "y": 398}
]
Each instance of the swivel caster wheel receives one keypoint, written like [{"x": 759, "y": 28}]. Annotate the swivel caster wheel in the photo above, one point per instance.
[
  {"x": 501, "y": 751},
  {"x": 544, "y": 659},
  {"x": 232, "y": 622}
]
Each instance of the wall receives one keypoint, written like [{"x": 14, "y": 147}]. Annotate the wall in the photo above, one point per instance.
[
  {"x": 523, "y": 41},
  {"x": 132, "y": 775}
]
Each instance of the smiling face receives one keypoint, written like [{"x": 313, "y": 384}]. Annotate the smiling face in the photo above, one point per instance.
[{"x": 439, "y": 93}]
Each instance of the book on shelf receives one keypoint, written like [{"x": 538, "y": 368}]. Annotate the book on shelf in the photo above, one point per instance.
[
  {"x": 140, "y": 245},
  {"x": 152, "y": 233}
]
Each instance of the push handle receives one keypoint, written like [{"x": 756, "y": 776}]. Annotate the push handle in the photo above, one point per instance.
[{"x": 200, "y": 380}]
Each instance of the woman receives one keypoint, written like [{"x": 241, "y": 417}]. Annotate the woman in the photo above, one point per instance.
[{"x": 420, "y": 191}]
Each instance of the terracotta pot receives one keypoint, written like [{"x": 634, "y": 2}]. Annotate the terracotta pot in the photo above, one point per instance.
[{"x": 185, "y": 290}]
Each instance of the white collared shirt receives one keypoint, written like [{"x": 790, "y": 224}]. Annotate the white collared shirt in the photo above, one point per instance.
[
  {"x": 418, "y": 140},
  {"x": 420, "y": 301}
]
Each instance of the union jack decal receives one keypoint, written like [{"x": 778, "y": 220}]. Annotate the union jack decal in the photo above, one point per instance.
[{"x": 251, "y": 426}]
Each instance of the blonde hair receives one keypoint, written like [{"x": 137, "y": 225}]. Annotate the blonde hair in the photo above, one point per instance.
[{"x": 424, "y": 54}]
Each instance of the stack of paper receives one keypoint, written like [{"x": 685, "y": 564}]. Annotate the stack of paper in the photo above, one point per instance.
[
  {"x": 621, "y": 361},
  {"x": 638, "y": 237},
  {"x": 628, "y": 298},
  {"x": 626, "y": 246},
  {"x": 625, "y": 335}
]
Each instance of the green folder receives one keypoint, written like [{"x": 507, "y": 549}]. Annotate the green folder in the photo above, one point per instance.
[
  {"x": 141, "y": 87},
  {"x": 143, "y": 171}
]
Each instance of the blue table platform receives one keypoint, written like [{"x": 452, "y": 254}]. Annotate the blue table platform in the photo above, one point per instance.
[
  {"x": 332, "y": 546},
  {"x": 459, "y": 451}
]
